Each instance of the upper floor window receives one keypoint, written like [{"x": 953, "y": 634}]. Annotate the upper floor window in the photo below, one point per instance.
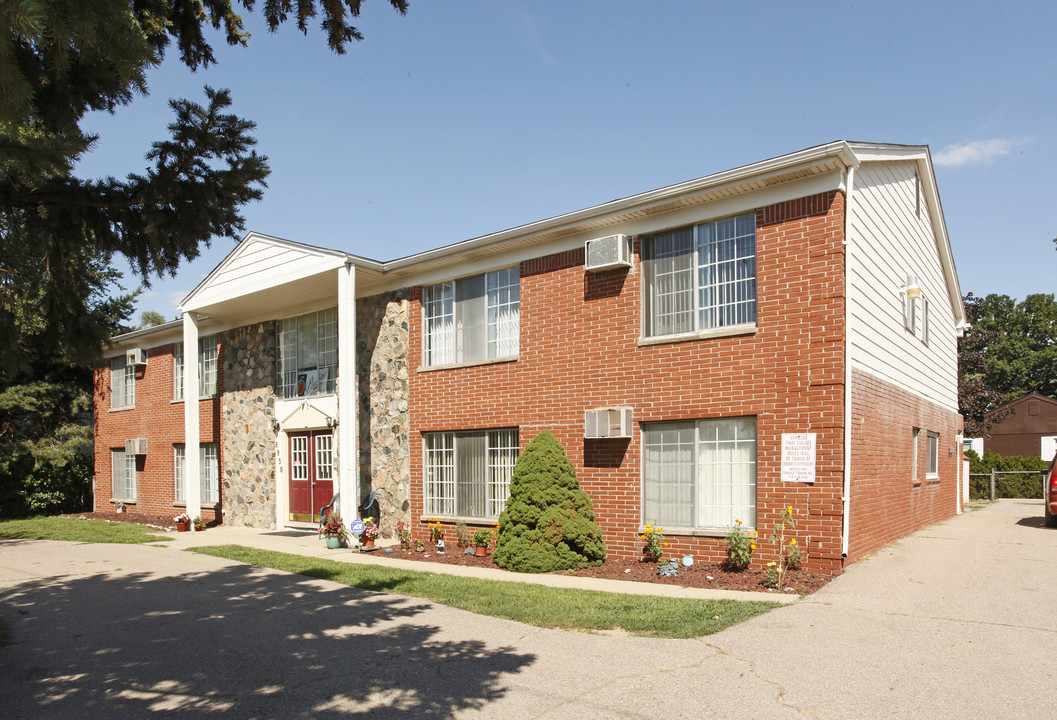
[
  {"x": 701, "y": 277},
  {"x": 473, "y": 319},
  {"x": 308, "y": 354},
  {"x": 207, "y": 367},
  {"x": 122, "y": 383},
  {"x": 208, "y": 473}
]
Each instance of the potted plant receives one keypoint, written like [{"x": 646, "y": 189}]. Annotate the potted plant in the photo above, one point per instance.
[
  {"x": 333, "y": 531},
  {"x": 419, "y": 544},
  {"x": 481, "y": 538},
  {"x": 370, "y": 532},
  {"x": 403, "y": 534},
  {"x": 119, "y": 507},
  {"x": 183, "y": 522},
  {"x": 199, "y": 523}
]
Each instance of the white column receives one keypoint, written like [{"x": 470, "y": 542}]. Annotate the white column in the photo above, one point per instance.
[
  {"x": 192, "y": 461},
  {"x": 348, "y": 419}
]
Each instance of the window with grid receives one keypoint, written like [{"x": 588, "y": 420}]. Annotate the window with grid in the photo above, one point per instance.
[
  {"x": 473, "y": 319},
  {"x": 123, "y": 473},
  {"x": 932, "y": 457},
  {"x": 701, "y": 474},
  {"x": 208, "y": 472},
  {"x": 207, "y": 368},
  {"x": 701, "y": 277},
  {"x": 308, "y": 354},
  {"x": 122, "y": 383},
  {"x": 468, "y": 473}
]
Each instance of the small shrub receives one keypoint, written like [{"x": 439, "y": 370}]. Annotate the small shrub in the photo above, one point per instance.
[
  {"x": 548, "y": 523},
  {"x": 462, "y": 534},
  {"x": 740, "y": 546},
  {"x": 482, "y": 537}
]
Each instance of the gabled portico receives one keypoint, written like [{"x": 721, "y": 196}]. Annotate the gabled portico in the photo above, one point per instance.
[{"x": 262, "y": 280}]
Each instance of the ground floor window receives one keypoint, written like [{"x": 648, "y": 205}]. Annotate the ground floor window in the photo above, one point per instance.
[
  {"x": 700, "y": 473},
  {"x": 932, "y": 459},
  {"x": 468, "y": 473},
  {"x": 208, "y": 473},
  {"x": 123, "y": 469}
]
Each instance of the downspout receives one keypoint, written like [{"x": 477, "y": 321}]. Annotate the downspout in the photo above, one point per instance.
[{"x": 846, "y": 498}]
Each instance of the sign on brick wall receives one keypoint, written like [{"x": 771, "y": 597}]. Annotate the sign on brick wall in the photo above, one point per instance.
[{"x": 798, "y": 457}]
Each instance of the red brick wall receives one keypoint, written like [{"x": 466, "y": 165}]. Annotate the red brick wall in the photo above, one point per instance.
[
  {"x": 579, "y": 334},
  {"x": 886, "y": 500},
  {"x": 156, "y": 417}
]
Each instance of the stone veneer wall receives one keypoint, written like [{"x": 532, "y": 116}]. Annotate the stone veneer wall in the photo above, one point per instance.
[
  {"x": 248, "y": 406},
  {"x": 382, "y": 368}
]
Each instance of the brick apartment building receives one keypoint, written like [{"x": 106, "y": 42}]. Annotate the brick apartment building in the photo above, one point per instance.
[{"x": 783, "y": 333}]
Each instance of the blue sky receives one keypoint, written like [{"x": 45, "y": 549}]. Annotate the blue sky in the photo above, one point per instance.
[{"x": 465, "y": 118}]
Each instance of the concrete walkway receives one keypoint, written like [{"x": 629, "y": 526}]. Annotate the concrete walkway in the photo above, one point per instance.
[{"x": 952, "y": 622}]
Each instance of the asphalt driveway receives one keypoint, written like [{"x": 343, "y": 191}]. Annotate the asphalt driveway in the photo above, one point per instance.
[{"x": 951, "y": 622}]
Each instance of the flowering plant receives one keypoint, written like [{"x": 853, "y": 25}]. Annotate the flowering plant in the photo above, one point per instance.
[
  {"x": 740, "y": 546},
  {"x": 482, "y": 537},
  {"x": 370, "y": 528},
  {"x": 200, "y": 524},
  {"x": 778, "y": 535},
  {"x": 654, "y": 539},
  {"x": 332, "y": 526},
  {"x": 793, "y": 558},
  {"x": 403, "y": 533},
  {"x": 436, "y": 529},
  {"x": 181, "y": 518}
]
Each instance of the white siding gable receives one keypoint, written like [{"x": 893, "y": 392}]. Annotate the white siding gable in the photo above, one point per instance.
[
  {"x": 890, "y": 237},
  {"x": 259, "y": 263}
]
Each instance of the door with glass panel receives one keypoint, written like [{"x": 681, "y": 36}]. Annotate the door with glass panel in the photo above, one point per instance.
[{"x": 311, "y": 474}]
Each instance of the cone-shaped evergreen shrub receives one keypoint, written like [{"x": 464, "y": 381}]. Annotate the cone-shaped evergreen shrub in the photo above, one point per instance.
[{"x": 549, "y": 523}]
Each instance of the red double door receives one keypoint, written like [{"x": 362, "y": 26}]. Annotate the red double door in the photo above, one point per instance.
[{"x": 311, "y": 473}]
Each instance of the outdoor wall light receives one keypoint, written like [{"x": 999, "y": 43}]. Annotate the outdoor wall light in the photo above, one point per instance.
[
  {"x": 912, "y": 289},
  {"x": 332, "y": 422}
]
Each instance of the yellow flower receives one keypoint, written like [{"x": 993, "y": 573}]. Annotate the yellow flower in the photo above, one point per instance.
[
  {"x": 660, "y": 529},
  {"x": 643, "y": 537},
  {"x": 790, "y": 509},
  {"x": 752, "y": 546},
  {"x": 738, "y": 522},
  {"x": 665, "y": 544},
  {"x": 649, "y": 525},
  {"x": 770, "y": 564},
  {"x": 649, "y": 530},
  {"x": 793, "y": 541}
]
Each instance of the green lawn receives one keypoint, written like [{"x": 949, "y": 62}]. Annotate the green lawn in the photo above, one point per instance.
[
  {"x": 525, "y": 602},
  {"x": 77, "y": 530}
]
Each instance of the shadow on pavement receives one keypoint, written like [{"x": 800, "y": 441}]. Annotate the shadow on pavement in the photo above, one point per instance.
[{"x": 237, "y": 640}]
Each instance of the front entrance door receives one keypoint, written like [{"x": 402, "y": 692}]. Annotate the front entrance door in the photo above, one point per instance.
[{"x": 311, "y": 474}]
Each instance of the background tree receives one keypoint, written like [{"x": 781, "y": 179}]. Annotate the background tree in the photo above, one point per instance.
[
  {"x": 59, "y": 60},
  {"x": 549, "y": 523},
  {"x": 1009, "y": 351}
]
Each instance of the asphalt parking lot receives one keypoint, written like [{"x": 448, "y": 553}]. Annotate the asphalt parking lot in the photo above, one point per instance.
[{"x": 951, "y": 622}]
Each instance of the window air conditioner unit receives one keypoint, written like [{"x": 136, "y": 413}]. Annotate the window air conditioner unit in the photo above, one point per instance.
[
  {"x": 136, "y": 446},
  {"x": 135, "y": 356},
  {"x": 609, "y": 252},
  {"x": 608, "y": 423}
]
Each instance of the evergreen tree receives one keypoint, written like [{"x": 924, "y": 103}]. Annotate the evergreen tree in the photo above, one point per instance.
[
  {"x": 549, "y": 523},
  {"x": 59, "y": 60}
]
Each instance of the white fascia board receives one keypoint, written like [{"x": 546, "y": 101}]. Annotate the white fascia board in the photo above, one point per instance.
[{"x": 784, "y": 163}]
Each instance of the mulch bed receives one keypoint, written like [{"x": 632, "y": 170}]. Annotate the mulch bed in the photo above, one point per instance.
[{"x": 698, "y": 575}]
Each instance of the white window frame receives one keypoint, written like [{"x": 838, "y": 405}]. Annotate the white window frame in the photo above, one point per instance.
[
  {"x": 452, "y": 338},
  {"x": 123, "y": 475},
  {"x": 207, "y": 368},
  {"x": 915, "y": 435},
  {"x": 303, "y": 371},
  {"x": 123, "y": 376},
  {"x": 932, "y": 456},
  {"x": 719, "y": 292},
  {"x": 446, "y": 489},
  {"x": 691, "y": 467},
  {"x": 925, "y": 320},
  {"x": 208, "y": 473}
]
